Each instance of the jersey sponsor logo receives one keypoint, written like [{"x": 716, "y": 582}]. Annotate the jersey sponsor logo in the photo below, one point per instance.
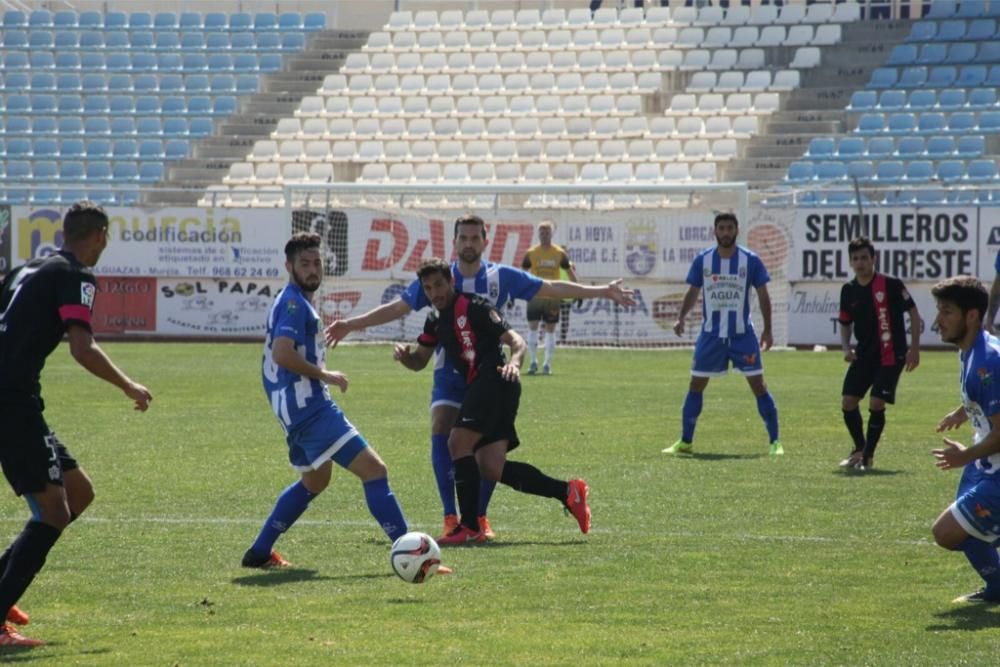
[
  {"x": 982, "y": 512},
  {"x": 87, "y": 293}
]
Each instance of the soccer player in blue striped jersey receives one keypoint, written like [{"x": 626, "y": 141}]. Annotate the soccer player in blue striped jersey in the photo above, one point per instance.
[
  {"x": 499, "y": 284},
  {"x": 723, "y": 276},
  {"x": 971, "y": 524},
  {"x": 317, "y": 432}
]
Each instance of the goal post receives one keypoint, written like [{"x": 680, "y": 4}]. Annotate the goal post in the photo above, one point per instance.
[{"x": 376, "y": 235}]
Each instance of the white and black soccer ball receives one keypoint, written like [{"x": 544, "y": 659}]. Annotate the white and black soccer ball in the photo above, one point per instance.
[{"x": 415, "y": 557}]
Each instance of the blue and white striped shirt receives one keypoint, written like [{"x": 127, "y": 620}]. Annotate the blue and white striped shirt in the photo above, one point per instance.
[{"x": 725, "y": 289}]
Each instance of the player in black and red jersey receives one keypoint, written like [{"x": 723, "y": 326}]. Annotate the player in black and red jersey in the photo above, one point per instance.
[
  {"x": 472, "y": 333},
  {"x": 39, "y": 303},
  {"x": 872, "y": 307}
]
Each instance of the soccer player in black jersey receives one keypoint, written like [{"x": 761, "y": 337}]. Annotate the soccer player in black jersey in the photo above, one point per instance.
[
  {"x": 872, "y": 307},
  {"x": 39, "y": 303},
  {"x": 472, "y": 333}
]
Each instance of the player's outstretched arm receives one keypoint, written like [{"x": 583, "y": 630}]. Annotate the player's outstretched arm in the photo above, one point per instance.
[
  {"x": 89, "y": 354},
  {"x": 283, "y": 353},
  {"x": 415, "y": 360},
  {"x": 394, "y": 310},
  {"x": 562, "y": 289}
]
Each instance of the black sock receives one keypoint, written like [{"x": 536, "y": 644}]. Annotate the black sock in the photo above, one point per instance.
[
  {"x": 24, "y": 559},
  {"x": 876, "y": 422},
  {"x": 526, "y": 478},
  {"x": 856, "y": 427},
  {"x": 467, "y": 489}
]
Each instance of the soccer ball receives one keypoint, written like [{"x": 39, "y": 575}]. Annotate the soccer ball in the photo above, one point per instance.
[{"x": 415, "y": 557}]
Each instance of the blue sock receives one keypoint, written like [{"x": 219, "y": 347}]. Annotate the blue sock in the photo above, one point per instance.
[
  {"x": 985, "y": 561},
  {"x": 292, "y": 502},
  {"x": 444, "y": 472},
  {"x": 769, "y": 413},
  {"x": 385, "y": 508},
  {"x": 486, "y": 487},
  {"x": 689, "y": 415}
]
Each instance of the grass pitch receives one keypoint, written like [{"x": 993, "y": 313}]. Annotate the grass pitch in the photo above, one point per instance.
[{"x": 722, "y": 557}]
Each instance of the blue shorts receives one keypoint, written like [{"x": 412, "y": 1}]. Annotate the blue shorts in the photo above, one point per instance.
[
  {"x": 324, "y": 436},
  {"x": 449, "y": 387},
  {"x": 977, "y": 507},
  {"x": 713, "y": 354}
]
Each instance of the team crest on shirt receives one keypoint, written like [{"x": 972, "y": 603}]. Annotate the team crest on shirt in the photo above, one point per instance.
[
  {"x": 494, "y": 292},
  {"x": 292, "y": 306},
  {"x": 880, "y": 296},
  {"x": 985, "y": 377},
  {"x": 707, "y": 271},
  {"x": 87, "y": 293},
  {"x": 906, "y": 295},
  {"x": 495, "y": 316},
  {"x": 461, "y": 321},
  {"x": 742, "y": 272}
]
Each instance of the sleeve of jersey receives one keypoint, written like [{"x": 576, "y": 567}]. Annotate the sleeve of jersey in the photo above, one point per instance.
[
  {"x": 904, "y": 295},
  {"x": 694, "y": 277},
  {"x": 989, "y": 389},
  {"x": 414, "y": 297},
  {"x": 428, "y": 337},
  {"x": 760, "y": 275},
  {"x": 520, "y": 284},
  {"x": 76, "y": 299},
  {"x": 291, "y": 321},
  {"x": 490, "y": 319},
  {"x": 845, "y": 315}
]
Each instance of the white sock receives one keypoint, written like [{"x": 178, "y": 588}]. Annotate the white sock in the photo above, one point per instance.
[
  {"x": 550, "y": 347},
  {"x": 533, "y": 345}
]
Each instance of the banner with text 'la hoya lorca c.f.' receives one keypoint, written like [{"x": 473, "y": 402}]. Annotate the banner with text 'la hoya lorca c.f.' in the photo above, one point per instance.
[{"x": 180, "y": 242}]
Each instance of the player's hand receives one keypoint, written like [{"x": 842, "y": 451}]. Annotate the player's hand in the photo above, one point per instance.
[
  {"x": 912, "y": 359},
  {"x": 849, "y": 356},
  {"x": 509, "y": 372},
  {"x": 766, "y": 340},
  {"x": 140, "y": 395},
  {"x": 336, "y": 378},
  {"x": 401, "y": 352},
  {"x": 952, "y": 420},
  {"x": 336, "y": 332},
  {"x": 952, "y": 455},
  {"x": 679, "y": 327},
  {"x": 621, "y": 295}
]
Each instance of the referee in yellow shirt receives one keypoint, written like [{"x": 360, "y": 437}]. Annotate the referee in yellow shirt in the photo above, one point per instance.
[{"x": 545, "y": 260}]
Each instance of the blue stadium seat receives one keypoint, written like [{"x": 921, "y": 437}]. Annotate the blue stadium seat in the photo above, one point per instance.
[
  {"x": 982, "y": 170},
  {"x": 98, "y": 171},
  {"x": 242, "y": 41},
  {"x": 989, "y": 122},
  {"x": 961, "y": 53},
  {"x": 43, "y": 104},
  {"x": 94, "y": 105},
  {"x": 15, "y": 39},
  {"x": 68, "y": 83},
  {"x": 169, "y": 63},
  {"x": 940, "y": 147},
  {"x": 194, "y": 62},
  {"x": 19, "y": 170},
  {"x": 192, "y": 41},
  {"x": 118, "y": 62},
  {"x": 800, "y": 172},
  {"x": 293, "y": 41},
  {"x": 929, "y": 197},
  {"x": 951, "y": 171},
  {"x": 170, "y": 84},
  {"x": 901, "y": 123},
  {"x": 246, "y": 84},
  {"x": 821, "y": 148},
  {"x": 145, "y": 62},
  {"x": 910, "y": 148},
  {"x": 147, "y": 105},
  {"x": 919, "y": 171},
  {"x": 175, "y": 149},
  {"x": 289, "y": 21},
  {"x": 175, "y": 127},
  {"x": 197, "y": 83},
  {"x": 142, "y": 40},
  {"x": 115, "y": 39},
  {"x": 68, "y": 125},
  {"x": 932, "y": 122},
  {"x": 892, "y": 100},
  {"x": 265, "y": 21},
  {"x": 67, "y": 60},
  {"x": 19, "y": 148},
  {"x": 140, "y": 21},
  {"x": 942, "y": 77},
  {"x": 268, "y": 41},
  {"x": 962, "y": 122},
  {"x": 932, "y": 54},
  {"x": 884, "y": 77},
  {"x": 994, "y": 77},
  {"x": 150, "y": 172},
  {"x": 223, "y": 83},
  {"x": 989, "y": 52},
  {"x": 201, "y": 127},
  {"x": 98, "y": 149},
  {"x": 145, "y": 83},
  {"x": 922, "y": 100},
  {"x": 245, "y": 63},
  {"x": 942, "y": 9},
  {"x": 149, "y": 127},
  {"x": 224, "y": 105},
  {"x": 40, "y": 18},
  {"x": 167, "y": 41},
  {"x": 314, "y": 21},
  {"x": 116, "y": 21},
  {"x": 72, "y": 149},
  {"x": 69, "y": 104},
  {"x": 173, "y": 105},
  {"x": 41, "y": 125},
  {"x": 64, "y": 19},
  {"x": 122, "y": 105},
  {"x": 922, "y": 31},
  {"x": 890, "y": 171},
  {"x": 18, "y": 104},
  {"x": 96, "y": 125},
  {"x": 199, "y": 105},
  {"x": 269, "y": 63},
  {"x": 217, "y": 41},
  {"x": 862, "y": 100},
  {"x": 851, "y": 148},
  {"x": 14, "y": 19},
  {"x": 831, "y": 171},
  {"x": 41, "y": 60},
  {"x": 93, "y": 84},
  {"x": 66, "y": 39},
  {"x": 72, "y": 170},
  {"x": 122, "y": 126},
  {"x": 43, "y": 81},
  {"x": 971, "y": 76},
  {"x": 40, "y": 39},
  {"x": 220, "y": 62},
  {"x": 125, "y": 171},
  {"x": 950, "y": 31},
  {"x": 90, "y": 20},
  {"x": 190, "y": 21},
  {"x": 165, "y": 21},
  {"x": 839, "y": 198},
  {"x": 240, "y": 21},
  {"x": 951, "y": 99},
  {"x": 969, "y": 9},
  {"x": 92, "y": 41},
  {"x": 124, "y": 149},
  {"x": 151, "y": 149},
  {"x": 971, "y": 146},
  {"x": 216, "y": 21},
  {"x": 861, "y": 170},
  {"x": 13, "y": 60}
]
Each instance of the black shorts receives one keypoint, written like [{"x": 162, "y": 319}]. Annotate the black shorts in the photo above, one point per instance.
[
  {"x": 490, "y": 408},
  {"x": 31, "y": 454},
  {"x": 869, "y": 373},
  {"x": 546, "y": 310}
]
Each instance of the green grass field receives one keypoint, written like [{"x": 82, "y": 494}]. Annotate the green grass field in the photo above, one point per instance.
[{"x": 724, "y": 557}]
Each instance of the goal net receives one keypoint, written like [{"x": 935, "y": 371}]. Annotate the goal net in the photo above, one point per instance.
[{"x": 375, "y": 237}]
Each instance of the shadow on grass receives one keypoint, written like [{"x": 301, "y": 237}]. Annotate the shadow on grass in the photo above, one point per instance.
[
  {"x": 294, "y": 576},
  {"x": 493, "y": 544},
  {"x": 871, "y": 472},
  {"x": 968, "y": 618},
  {"x": 704, "y": 456},
  {"x": 13, "y": 654}
]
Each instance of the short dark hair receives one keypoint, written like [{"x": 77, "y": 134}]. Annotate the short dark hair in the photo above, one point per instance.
[
  {"x": 301, "y": 241},
  {"x": 726, "y": 216},
  {"x": 83, "y": 219},
  {"x": 470, "y": 219},
  {"x": 966, "y": 292},
  {"x": 860, "y": 243},
  {"x": 429, "y": 267}
]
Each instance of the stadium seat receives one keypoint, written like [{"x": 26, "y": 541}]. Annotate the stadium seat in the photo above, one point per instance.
[
  {"x": 850, "y": 148},
  {"x": 940, "y": 147},
  {"x": 982, "y": 170},
  {"x": 970, "y": 146},
  {"x": 892, "y": 100},
  {"x": 951, "y": 171},
  {"x": 951, "y": 99}
]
